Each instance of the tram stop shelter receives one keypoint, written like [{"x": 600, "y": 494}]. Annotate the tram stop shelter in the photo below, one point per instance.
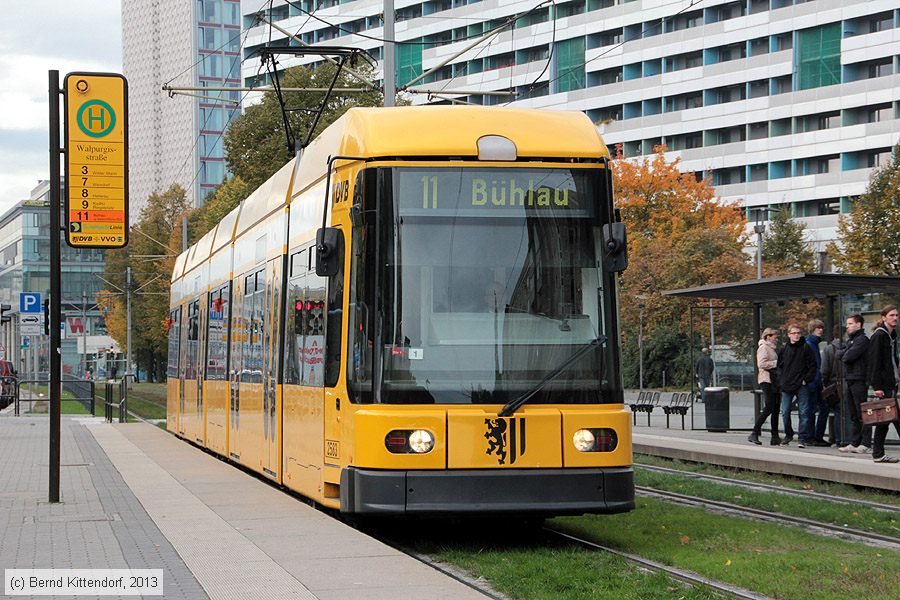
[{"x": 755, "y": 293}]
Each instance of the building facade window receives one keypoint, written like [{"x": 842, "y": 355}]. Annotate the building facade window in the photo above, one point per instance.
[
  {"x": 819, "y": 56},
  {"x": 570, "y": 67}
]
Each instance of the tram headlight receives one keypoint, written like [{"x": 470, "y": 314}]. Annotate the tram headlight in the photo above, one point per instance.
[
  {"x": 598, "y": 439},
  {"x": 421, "y": 441},
  {"x": 583, "y": 440},
  {"x": 409, "y": 441}
]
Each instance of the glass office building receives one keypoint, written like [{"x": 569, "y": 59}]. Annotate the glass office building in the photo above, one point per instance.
[{"x": 25, "y": 267}]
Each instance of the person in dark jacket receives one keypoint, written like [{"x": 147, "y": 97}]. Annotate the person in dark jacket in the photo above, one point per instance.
[
  {"x": 882, "y": 374},
  {"x": 833, "y": 373},
  {"x": 797, "y": 368},
  {"x": 817, "y": 424},
  {"x": 853, "y": 356}
]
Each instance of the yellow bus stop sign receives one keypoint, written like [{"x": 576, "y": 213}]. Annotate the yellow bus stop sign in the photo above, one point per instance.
[{"x": 96, "y": 143}]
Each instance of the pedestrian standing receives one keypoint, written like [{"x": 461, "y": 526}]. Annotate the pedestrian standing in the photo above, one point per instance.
[
  {"x": 882, "y": 374},
  {"x": 797, "y": 368},
  {"x": 703, "y": 369},
  {"x": 855, "y": 372},
  {"x": 815, "y": 435},
  {"x": 767, "y": 361},
  {"x": 833, "y": 374}
]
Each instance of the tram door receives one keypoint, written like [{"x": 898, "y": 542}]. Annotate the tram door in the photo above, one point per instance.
[
  {"x": 302, "y": 429},
  {"x": 183, "y": 362},
  {"x": 239, "y": 343},
  {"x": 270, "y": 300},
  {"x": 173, "y": 377},
  {"x": 203, "y": 315},
  {"x": 191, "y": 383}
]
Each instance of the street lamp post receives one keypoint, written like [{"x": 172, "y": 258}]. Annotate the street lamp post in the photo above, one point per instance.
[{"x": 759, "y": 229}]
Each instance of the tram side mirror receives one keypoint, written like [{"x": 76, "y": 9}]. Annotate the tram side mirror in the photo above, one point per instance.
[
  {"x": 328, "y": 256},
  {"x": 615, "y": 247}
]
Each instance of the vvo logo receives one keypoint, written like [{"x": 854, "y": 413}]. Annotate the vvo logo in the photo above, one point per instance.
[{"x": 505, "y": 438}]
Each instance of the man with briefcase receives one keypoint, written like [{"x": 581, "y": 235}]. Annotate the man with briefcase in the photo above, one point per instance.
[
  {"x": 882, "y": 376},
  {"x": 853, "y": 355}
]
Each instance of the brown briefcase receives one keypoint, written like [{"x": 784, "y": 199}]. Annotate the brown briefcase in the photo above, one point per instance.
[{"x": 878, "y": 412}]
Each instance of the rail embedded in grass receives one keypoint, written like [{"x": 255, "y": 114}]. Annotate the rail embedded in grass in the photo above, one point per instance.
[
  {"x": 842, "y": 490},
  {"x": 757, "y": 485},
  {"x": 834, "y": 513},
  {"x": 772, "y": 559}
]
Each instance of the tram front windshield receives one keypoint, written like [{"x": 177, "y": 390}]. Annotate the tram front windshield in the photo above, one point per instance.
[{"x": 488, "y": 280}]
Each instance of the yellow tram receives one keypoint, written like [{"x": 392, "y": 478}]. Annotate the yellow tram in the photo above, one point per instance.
[{"x": 417, "y": 316}]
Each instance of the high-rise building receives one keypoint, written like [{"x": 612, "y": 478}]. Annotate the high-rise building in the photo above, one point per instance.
[
  {"x": 178, "y": 139},
  {"x": 785, "y": 103}
]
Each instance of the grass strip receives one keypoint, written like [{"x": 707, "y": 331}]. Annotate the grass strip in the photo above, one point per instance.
[
  {"x": 835, "y": 513},
  {"x": 68, "y": 407},
  {"x": 775, "y": 560},
  {"x": 565, "y": 573},
  {"x": 813, "y": 485}
]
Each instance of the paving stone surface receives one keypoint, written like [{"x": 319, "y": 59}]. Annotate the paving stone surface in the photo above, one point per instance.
[{"x": 98, "y": 524}]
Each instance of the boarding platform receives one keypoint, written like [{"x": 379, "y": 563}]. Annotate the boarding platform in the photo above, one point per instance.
[
  {"x": 731, "y": 449},
  {"x": 134, "y": 496}
]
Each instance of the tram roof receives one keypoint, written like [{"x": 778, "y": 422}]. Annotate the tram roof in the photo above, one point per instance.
[
  {"x": 455, "y": 130},
  {"x": 200, "y": 251},
  {"x": 178, "y": 269}
]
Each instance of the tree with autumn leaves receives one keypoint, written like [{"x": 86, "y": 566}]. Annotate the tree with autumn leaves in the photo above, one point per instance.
[
  {"x": 154, "y": 242},
  {"x": 680, "y": 235},
  {"x": 869, "y": 237}
]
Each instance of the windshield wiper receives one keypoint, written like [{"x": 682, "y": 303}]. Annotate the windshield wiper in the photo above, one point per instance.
[{"x": 513, "y": 405}]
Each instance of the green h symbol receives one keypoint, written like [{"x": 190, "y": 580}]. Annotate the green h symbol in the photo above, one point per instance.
[
  {"x": 96, "y": 117},
  {"x": 96, "y": 111}
]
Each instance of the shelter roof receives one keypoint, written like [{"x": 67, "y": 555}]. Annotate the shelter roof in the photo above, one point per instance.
[{"x": 792, "y": 287}]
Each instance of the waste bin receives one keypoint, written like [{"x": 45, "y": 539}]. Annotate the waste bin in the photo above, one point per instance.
[{"x": 716, "y": 406}]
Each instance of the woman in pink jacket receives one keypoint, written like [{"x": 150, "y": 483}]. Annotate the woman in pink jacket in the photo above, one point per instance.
[{"x": 767, "y": 361}]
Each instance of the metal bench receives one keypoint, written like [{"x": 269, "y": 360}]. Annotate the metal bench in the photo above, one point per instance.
[
  {"x": 647, "y": 401},
  {"x": 641, "y": 399},
  {"x": 679, "y": 404}
]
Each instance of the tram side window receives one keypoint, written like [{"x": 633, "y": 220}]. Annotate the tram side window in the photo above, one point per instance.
[
  {"x": 193, "y": 331},
  {"x": 362, "y": 285},
  {"x": 217, "y": 335},
  {"x": 334, "y": 321},
  {"x": 305, "y": 326},
  {"x": 293, "y": 345},
  {"x": 252, "y": 311},
  {"x": 174, "y": 345}
]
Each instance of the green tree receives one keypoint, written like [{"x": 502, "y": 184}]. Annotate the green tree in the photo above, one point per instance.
[
  {"x": 680, "y": 235},
  {"x": 869, "y": 237},
  {"x": 255, "y": 143},
  {"x": 151, "y": 254},
  {"x": 785, "y": 249},
  {"x": 218, "y": 204}
]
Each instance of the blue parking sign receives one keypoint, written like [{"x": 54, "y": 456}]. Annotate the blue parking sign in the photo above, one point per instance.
[{"x": 30, "y": 302}]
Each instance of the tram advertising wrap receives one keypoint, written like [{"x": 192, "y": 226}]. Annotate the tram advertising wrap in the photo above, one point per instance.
[{"x": 449, "y": 346}]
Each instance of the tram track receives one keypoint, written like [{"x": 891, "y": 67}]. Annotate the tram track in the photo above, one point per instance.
[
  {"x": 556, "y": 536},
  {"x": 750, "y": 485},
  {"x": 870, "y": 538},
  {"x": 682, "y": 575}
]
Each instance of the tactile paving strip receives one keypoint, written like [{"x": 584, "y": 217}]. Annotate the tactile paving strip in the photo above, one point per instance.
[{"x": 225, "y": 563}]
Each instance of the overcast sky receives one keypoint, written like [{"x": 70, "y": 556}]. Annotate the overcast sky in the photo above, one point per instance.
[{"x": 35, "y": 37}]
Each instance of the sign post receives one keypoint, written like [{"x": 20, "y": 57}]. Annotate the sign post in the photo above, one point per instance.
[
  {"x": 31, "y": 314},
  {"x": 96, "y": 209},
  {"x": 96, "y": 160},
  {"x": 55, "y": 391}
]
